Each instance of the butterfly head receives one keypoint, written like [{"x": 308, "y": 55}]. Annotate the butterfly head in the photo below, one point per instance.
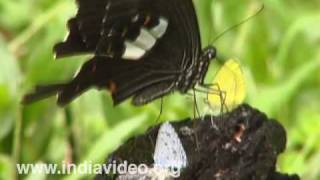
[{"x": 209, "y": 52}]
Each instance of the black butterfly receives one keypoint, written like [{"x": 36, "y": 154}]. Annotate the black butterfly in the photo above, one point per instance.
[{"x": 143, "y": 49}]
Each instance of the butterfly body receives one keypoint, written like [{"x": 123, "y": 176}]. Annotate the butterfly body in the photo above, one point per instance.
[
  {"x": 144, "y": 49},
  {"x": 195, "y": 74}
]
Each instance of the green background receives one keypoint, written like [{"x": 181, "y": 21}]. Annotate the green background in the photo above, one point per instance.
[{"x": 279, "y": 51}]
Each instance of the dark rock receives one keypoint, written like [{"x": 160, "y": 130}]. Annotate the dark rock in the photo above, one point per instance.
[{"x": 240, "y": 145}]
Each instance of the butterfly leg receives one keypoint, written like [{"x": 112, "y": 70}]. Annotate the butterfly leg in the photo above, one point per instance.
[
  {"x": 195, "y": 112},
  {"x": 214, "y": 89},
  {"x": 223, "y": 106},
  {"x": 196, "y": 108},
  {"x": 161, "y": 109},
  {"x": 206, "y": 101},
  {"x": 222, "y": 95}
]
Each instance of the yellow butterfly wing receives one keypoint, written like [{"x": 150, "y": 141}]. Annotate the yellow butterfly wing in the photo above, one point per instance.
[{"x": 230, "y": 81}]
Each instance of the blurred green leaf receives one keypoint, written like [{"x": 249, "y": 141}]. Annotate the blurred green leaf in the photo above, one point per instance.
[
  {"x": 7, "y": 170},
  {"x": 10, "y": 77}
]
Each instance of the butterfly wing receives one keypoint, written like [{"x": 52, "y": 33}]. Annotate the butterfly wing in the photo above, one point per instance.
[
  {"x": 98, "y": 21},
  {"x": 140, "y": 48},
  {"x": 169, "y": 152},
  {"x": 121, "y": 78},
  {"x": 102, "y": 26},
  {"x": 230, "y": 80},
  {"x": 177, "y": 50}
]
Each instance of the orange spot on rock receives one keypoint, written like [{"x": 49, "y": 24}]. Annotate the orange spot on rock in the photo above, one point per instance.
[{"x": 239, "y": 132}]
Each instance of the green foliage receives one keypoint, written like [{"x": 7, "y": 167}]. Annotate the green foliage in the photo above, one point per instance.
[{"x": 279, "y": 50}]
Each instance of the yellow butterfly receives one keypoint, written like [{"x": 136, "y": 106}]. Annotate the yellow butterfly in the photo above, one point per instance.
[{"x": 230, "y": 83}]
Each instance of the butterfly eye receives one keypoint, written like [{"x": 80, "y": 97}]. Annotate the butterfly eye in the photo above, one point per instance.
[{"x": 212, "y": 52}]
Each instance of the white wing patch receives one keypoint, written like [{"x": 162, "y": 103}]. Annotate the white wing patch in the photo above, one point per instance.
[
  {"x": 169, "y": 152},
  {"x": 132, "y": 51},
  {"x": 159, "y": 30},
  {"x": 146, "y": 40}
]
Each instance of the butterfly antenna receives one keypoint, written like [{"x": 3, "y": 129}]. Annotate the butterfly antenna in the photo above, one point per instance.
[{"x": 238, "y": 24}]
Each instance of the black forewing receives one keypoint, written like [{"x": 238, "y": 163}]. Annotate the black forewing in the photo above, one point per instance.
[
  {"x": 146, "y": 79},
  {"x": 98, "y": 22},
  {"x": 180, "y": 46},
  {"x": 174, "y": 54},
  {"x": 84, "y": 29}
]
